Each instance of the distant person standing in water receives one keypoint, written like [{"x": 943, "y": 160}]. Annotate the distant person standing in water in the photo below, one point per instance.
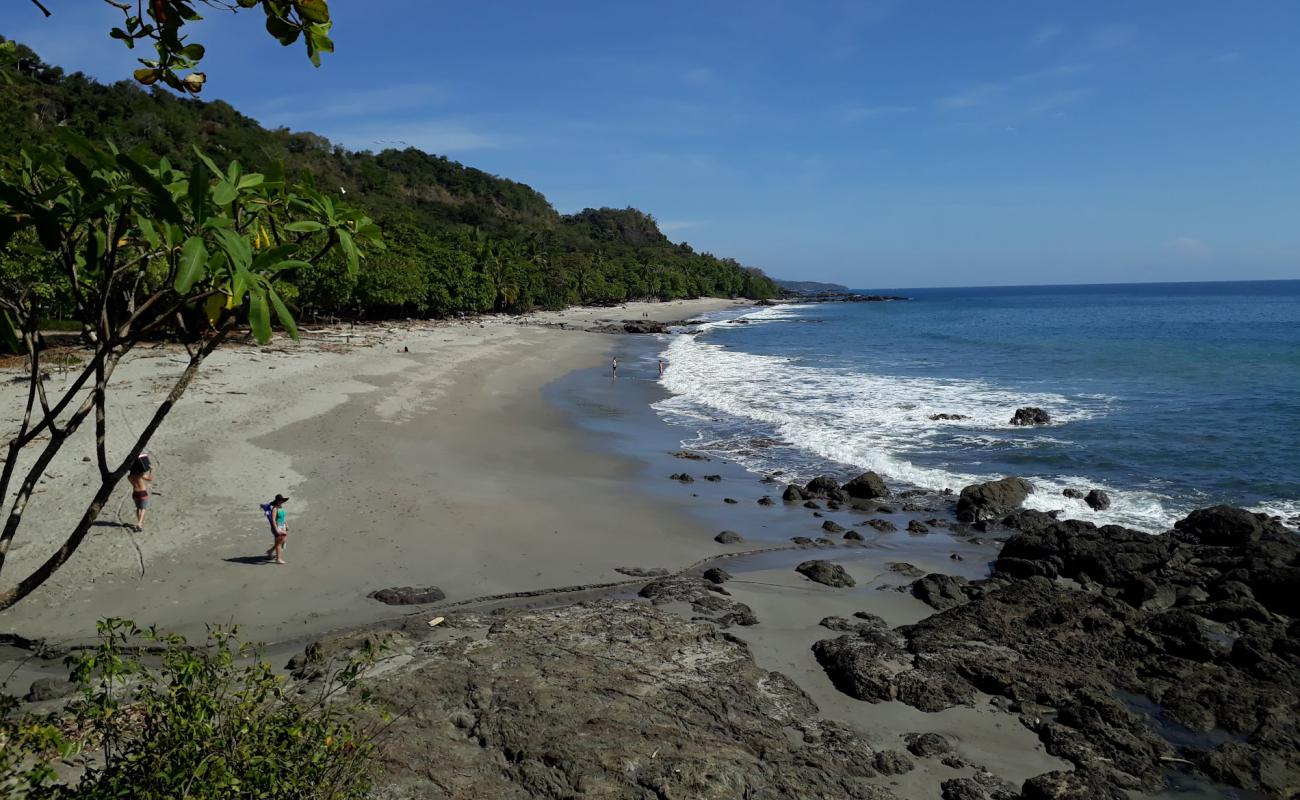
[
  {"x": 613, "y": 367},
  {"x": 279, "y": 530},
  {"x": 661, "y": 367},
  {"x": 140, "y": 476}
]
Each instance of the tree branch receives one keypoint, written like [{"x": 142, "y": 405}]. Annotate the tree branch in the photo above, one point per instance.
[{"x": 60, "y": 556}]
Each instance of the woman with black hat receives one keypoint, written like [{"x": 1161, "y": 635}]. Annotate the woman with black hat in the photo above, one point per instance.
[{"x": 275, "y": 515}]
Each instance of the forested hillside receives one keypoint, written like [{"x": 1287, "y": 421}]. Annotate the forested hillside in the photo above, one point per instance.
[{"x": 459, "y": 240}]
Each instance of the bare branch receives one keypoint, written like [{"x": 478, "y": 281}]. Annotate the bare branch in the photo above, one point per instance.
[{"x": 60, "y": 556}]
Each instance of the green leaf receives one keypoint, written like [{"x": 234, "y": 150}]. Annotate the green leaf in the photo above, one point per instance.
[
  {"x": 166, "y": 206},
  {"x": 287, "y": 264},
  {"x": 207, "y": 162},
  {"x": 148, "y": 231},
  {"x": 193, "y": 52},
  {"x": 198, "y": 192},
  {"x": 250, "y": 180},
  {"x": 349, "y": 250},
  {"x": 304, "y": 226},
  {"x": 259, "y": 315},
  {"x": 282, "y": 313},
  {"x": 236, "y": 247},
  {"x": 190, "y": 269},
  {"x": 223, "y": 194}
]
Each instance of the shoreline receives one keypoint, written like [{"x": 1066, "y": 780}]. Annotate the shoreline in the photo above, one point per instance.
[
  {"x": 461, "y": 483},
  {"x": 438, "y": 466}
]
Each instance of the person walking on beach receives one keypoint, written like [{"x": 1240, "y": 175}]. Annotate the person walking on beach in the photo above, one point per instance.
[
  {"x": 140, "y": 475},
  {"x": 279, "y": 530},
  {"x": 613, "y": 367},
  {"x": 661, "y": 367}
]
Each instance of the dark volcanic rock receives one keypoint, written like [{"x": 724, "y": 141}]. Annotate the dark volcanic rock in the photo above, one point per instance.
[
  {"x": 1097, "y": 500},
  {"x": 927, "y": 745},
  {"x": 681, "y": 476},
  {"x": 825, "y": 572},
  {"x": 882, "y": 525},
  {"x": 983, "y": 786},
  {"x": 904, "y": 568},
  {"x": 1029, "y": 415},
  {"x": 1201, "y": 622},
  {"x": 992, "y": 500},
  {"x": 811, "y": 504},
  {"x": 766, "y": 501},
  {"x": 731, "y": 501},
  {"x": 727, "y": 537},
  {"x": 716, "y": 575},
  {"x": 689, "y": 456},
  {"x": 793, "y": 494},
  {"x": 712, "y": 478},
  {"x": 1074, "y": 785},
  {"x": 944, "y": 417},
  {"x": 1073, "y": 494},
  {"x": 917, "y": 526},
  {"x": 825, "y": 487},
  {"x": 488, "y": 723},
  {"x": 853, "y": 536},
  {"x": 1222, "y": 526},
  {"x": 830, "y": 526},
  {"x": 408, "y": 595},
  {"x": 940, "y": 591},
  {"x": 867, "y": 486}
]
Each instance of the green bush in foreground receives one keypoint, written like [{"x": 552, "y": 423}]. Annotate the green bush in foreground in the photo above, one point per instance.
[{"x": 209, "y": 722}]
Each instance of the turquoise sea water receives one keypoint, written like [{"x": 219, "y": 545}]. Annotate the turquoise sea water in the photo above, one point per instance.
[{"x": 1168, "y": 396}]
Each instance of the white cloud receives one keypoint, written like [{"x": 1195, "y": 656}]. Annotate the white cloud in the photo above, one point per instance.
[
  {"x": 1044, "y": 35},
  {"x": 1192, "y": 249},
  {"x": 294, "y": 111}
]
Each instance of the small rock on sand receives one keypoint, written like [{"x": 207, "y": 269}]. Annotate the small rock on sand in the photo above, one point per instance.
[
  {"x": 727, "y": 537},
  {"x": 826, "y": 573},
  {"x": 408, "y": 595}
]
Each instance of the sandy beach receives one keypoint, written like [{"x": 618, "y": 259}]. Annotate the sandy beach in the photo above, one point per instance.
[{"x": 438, "y": 466}]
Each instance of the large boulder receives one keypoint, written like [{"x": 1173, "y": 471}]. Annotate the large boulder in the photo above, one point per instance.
[
  {"x": 1097, "y": 500},
  {"x": 824, "y": 572},
  {"x": 824, "y": 486},
  {"x": 1222, "y": 526},
  {"x": 993, "y": 499},
  {"x": 940, "y": 591},
  {"x": 793, "y": 494},
  {"x": 867, "y": 486},
  {"x": 1030, "y": 415}
]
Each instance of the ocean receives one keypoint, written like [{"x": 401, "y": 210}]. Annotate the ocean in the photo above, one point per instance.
[{"x": 1169, "y": 397}]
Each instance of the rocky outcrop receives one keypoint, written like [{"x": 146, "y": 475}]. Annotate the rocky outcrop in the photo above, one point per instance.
[
  {"x": 825, "y": 572},
  {"x": 631, "y": 702},
  {"x": 1078, "y": 617},
  {"x": 991, "y": 500},
  {"x": 867, "y": 486},
  {"x": 948, "y": 417},
  {"x": 408, "y": 595},
  {"x": 1030, "y": 415},
  {"x": 831, "y": 526},
  {"x": 728, "y": 537}
]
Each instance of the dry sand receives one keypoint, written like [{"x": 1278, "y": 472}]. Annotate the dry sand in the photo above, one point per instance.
[{"x": 438, "y": 466}]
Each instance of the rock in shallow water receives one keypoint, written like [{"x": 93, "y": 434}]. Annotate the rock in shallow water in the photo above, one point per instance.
[
  {"x": 727, "y": 537},
  {"x": 1030, "y": 415},
  {"x": 867, "y": 486},
  {"x": 993, "y": 499}
]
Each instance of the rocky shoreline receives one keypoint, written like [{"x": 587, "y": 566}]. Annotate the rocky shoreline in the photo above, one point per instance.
[{"x": 1133, "y": 657}]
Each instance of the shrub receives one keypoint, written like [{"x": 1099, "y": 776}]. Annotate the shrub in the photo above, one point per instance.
[{"x": 206, "y": 722}]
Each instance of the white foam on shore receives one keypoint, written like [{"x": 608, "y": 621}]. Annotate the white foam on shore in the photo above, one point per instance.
[{"x": 872, "y": 422}]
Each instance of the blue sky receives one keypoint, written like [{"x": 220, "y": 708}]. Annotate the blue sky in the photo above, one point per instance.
[{"x": 873, "y": 143}]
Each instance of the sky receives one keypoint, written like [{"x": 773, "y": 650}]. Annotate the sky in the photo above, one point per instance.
[{"x": 872, "y": 143}]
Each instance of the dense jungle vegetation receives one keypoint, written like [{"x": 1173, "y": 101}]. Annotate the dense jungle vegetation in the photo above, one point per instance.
[{"x": 459, "y": 240}]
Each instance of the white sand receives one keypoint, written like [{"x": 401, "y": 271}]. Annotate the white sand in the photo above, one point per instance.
[{"x": 442, "y": 466}]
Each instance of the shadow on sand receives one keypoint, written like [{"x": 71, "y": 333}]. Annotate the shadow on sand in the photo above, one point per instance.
[{"x": 258, "y": 559}]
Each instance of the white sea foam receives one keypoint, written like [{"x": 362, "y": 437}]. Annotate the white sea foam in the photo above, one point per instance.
[{"x": 874, "y": 422}]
